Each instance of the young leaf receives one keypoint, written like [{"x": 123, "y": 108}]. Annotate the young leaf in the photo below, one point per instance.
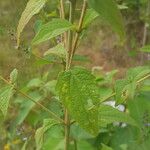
[
  {"x": 108, "y": 114},
  {"x": 91, "y": 14},
  {"x": 33, "y": 7},
  {"x": 124, "y": 89},
  {"x": 13, "y": 76},
  {"x": 51, "y": 30},
  {"x": 109, "y": 12},
  {"x": 5, "y": 95},
  {"x": 39, "y": 135},
  {"x": 58, "y": 51},
  {"x": 78, "y": 92}
]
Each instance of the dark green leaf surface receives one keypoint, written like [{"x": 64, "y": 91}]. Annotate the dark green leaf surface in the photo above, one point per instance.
[{"x": 78, "y": 92}]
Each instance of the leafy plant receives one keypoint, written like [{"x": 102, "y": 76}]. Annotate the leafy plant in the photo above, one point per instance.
[{"x": 80, "y": 96}]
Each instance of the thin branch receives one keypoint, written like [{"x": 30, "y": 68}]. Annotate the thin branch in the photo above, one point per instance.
[
  {"x": 31, "y": 99},
  {"x": 139, "y": 81},
  {"x": 84, "y": 8},
  {"x": 142, "y": 79},
  {"x": 113, "y": 94},
  {"x": 62, "y": 15},
  {"x": 70, "y": 33}
]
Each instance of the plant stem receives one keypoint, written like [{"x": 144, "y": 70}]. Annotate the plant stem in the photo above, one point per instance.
[
  {"x": 67, "y": 129},
  {"x": 62, "y": 10},
  {"x": 79, "y": 30},
  {"x": 62, "y": 15},
  {"x": 31, "y": 99},
  {"x": 70, "y": 33},
  {"x": 69, "y": 48}
]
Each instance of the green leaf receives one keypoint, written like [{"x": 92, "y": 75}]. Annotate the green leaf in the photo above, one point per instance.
[
  {"x": 108, "y": 114},
  {"x": 51, "y": 30},
  {"x": 78, "y": 133},
  {"x": 58, "y": 51},
  {"x": 54, "y": 144},
  {"x": 5, "y": 95},
  {"x": 105, "y": 93},
  {"x": 146, "y": 49},
  {"x": 109, "y": 12},
  {"x": 140, "y": 110},
  {"x": 91, "y": 14},
  {"x": 135, "y": 74},
  {"x": 13, "y": 76},
  {"x": 124, "y": 90},
  {"x": 50, "y": 87},
  {"x": 54, "y": 138},
  {"x": 33, "y": 7},
  {"x": 39, "y": 135},
  {"x": 78, "y": 92}
]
